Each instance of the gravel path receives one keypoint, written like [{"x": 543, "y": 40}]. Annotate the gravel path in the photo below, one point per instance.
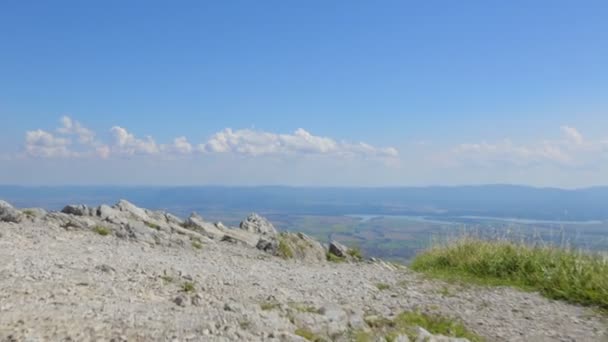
[{"x": 78, "y": 285}]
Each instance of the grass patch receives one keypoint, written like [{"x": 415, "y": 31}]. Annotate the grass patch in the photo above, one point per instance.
[
  {"x": 188, "y": 286},
  {"x": 29, "y": 212},
  {"x": 103, "y": 231},
  {"x": 356, "y": 253},
  {"x": 307, "y": 334},
  {"x": 197, "y": 245},
  {"x": 284, "y": 250},
  {"x": 331, "y": 257},
  {"x": 435, "y": 324},
  {"x": 301, "y": 307},
  {"x": 383, "y": 286},
  {"x": 556, "y": 273},
  {"x": 167, "y": 279},
  {"x": 270, "y": 305},
  {"x": 152, "y": 225},
  {"x": 407, "y": 322}
]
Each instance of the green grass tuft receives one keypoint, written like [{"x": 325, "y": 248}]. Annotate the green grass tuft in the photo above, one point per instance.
[
  {"x": 152, "y": 225},
  {"x": 188, "y": 286},
  {"x": 29, "y": 212},
  {"x": 307, "y": 334},
  {"x": 356, "y": 253},
  {"x": 284, "y": 250},
  {"x": 167, "y": 278},
  {"x": 269, "y": 305},
  {"x": 103, "y": 231},
  {"x": 437, "y": 325},
  {"x": 557, "y": 273},
  {"x": 334, "y": 258},
  {"x": 197, "y": 245},
  {"x": 383, "y": 286}
]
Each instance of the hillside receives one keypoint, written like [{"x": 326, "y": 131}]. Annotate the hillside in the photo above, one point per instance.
[{"x": 124, "y": 273}]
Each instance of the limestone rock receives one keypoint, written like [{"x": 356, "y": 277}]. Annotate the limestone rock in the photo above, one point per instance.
[
  {"x": 77, "y": 210},
  {"x": 196, "y": 223},
  {"x": 425, "y": 336},
  {"x": 338, "y": 249},
  {"x": 257, "y": 224},
  {"x": 9, "y": 214}
]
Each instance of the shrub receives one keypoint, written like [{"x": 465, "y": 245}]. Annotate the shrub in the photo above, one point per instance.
[
  {"x": 197, "y": 245},
  {"x": 557, "y": 273}
]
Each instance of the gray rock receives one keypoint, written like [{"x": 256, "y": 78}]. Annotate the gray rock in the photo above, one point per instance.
[
  {"x": 338, "y": 249},
  {"x": 258, "y": 225},
  {"x": 106, "y": 212},
  {"x": 425, "y": 336},
  {"x": 401, "y": 338},
  {"x": 267, "y": 245},
  {"x": 181, "y": 300},
  {"x": 195, "y": 222},
  {"x": 77, "y": 210},
  {"x": 9, "y": 214}
]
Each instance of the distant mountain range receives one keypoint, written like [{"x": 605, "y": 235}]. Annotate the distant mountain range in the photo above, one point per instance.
[{"x": 485, "y": 200}]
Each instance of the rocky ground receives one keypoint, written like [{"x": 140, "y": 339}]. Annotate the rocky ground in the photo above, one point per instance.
[{"x": 123, "y": 273}]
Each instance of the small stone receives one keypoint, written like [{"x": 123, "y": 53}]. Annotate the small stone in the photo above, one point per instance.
[{"x": 181, "y": 301}]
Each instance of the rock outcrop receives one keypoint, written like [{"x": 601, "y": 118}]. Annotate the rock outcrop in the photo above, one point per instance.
[{"x": 9, "y": 214}]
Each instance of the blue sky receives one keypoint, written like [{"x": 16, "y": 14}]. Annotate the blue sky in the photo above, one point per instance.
[{"x": 313, "y": 92}]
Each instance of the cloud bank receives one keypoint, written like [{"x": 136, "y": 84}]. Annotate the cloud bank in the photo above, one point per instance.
[
  {"x": 571, "y": 150},
  {"x": 73, "y": 140}
]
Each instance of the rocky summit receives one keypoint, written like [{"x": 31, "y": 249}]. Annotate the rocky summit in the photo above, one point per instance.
[{"x": 124, "y": 273}]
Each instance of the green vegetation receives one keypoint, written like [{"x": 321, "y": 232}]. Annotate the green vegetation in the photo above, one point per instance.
[
  {"x": 29, "y": 212},
  {"x": 307, "y": 334},
  {"x": 301, "y": 307},
  {"x": 188, "y": 286},
  {"x": 356, "y": 253},
  {"x": 152, "y": 225},
  {"x": 167, "y": 278},
  {"x": 407, "y": 322},
  {"x": 383, "y": 286},
  {"x": 103, "y": 231},
  {"x": 197, "y": 245},
  {"x": 557, "y": 273},
  {"x": 334, "y": 258},
  {"x": 269, "y": 305},
  {"x": 284, "y": 251}
]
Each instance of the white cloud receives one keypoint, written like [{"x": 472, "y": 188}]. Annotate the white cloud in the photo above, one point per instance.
[
  {"x": 127, "y": 143},
  {"x": 256, "y": 143},
  {"x": 572, "y": 134},
  {"x": 180, "y": 146},
  {"x": 572, "y": 149},
  {"x": 246, "y": 142},
  {"x": 70, "y": 127},
  {"x": 40, "y": 143}
]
